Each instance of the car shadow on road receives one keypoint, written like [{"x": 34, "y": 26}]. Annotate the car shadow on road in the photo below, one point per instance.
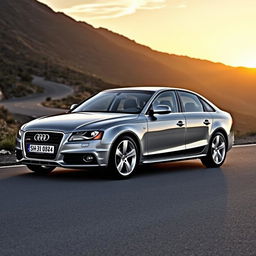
[
  {"x": 61, "y": 174},
  {"x": 102, "y": 174},
  {"x": 169, "y": 167}
]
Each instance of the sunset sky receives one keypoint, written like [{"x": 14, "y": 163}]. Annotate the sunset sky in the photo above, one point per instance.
[{"x": 218, "y": 30}]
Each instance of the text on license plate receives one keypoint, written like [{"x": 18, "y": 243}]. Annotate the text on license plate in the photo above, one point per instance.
[{"x": 41, "y": 149}]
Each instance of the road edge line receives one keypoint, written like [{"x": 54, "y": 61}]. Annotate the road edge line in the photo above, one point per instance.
[
  {"x": 244, "y": 145},
  {"x": 12, "y": 166}
]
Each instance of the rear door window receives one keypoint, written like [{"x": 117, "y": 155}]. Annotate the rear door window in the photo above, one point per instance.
[{"x": 190, "y": 102}]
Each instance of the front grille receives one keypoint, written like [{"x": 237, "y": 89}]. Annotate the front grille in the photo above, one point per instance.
[{"x": 54, "y": 140}]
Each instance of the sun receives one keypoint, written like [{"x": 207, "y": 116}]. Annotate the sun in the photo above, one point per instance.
[{"x": 250, "y": 63}]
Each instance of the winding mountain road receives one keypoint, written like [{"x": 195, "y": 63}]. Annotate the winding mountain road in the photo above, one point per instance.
[
  {"x": 165, "y": 209},
  {"x": 31, "y": 105}
]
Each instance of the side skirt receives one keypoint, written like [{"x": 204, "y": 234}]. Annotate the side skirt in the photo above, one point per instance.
[{"x": 175, "y": 156}]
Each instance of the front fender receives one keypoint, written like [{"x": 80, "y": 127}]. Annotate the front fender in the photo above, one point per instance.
[{"x": 136, "y": 129}]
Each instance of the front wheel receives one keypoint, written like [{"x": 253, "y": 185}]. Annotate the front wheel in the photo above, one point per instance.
[
  {"x": 41, "y": 169},
  {"x": 124, "y": 157},
  {"x": 217, "y": 151}
]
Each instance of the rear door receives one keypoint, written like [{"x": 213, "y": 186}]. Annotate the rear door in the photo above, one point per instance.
[
  {"x": 198, "y": 122},
  {"x": 166, "y": 132}
]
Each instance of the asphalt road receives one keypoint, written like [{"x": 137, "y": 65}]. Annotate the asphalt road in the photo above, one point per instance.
[
  {"x": 166, "y": 209},
  {"x": 31, "y": 105}
]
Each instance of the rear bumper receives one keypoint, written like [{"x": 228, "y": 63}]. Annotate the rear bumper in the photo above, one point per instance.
[{"x": 231, "y": 140}]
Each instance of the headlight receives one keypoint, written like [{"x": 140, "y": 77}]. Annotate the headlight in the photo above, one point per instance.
[{"x": 88, "y": 135}]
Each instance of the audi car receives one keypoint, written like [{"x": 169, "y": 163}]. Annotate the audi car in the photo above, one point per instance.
[{"x": 122, "y": 128}]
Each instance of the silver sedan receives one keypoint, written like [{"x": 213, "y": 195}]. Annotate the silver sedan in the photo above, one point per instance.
[{"x": 121, "y": 128}]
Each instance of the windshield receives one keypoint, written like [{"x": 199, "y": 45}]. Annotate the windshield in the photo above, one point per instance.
[{"x": 116, "y": 102}]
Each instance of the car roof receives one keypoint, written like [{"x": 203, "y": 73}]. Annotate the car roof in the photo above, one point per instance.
[
  {"x": 146, "y": 88},
  {"x": 157, "y": 89}
]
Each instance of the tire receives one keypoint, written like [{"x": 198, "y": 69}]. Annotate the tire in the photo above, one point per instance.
[
  {"x": 217, "y": 151},
  {"x": 123, "y": 158},
  {"x": 40, "y": 169}
]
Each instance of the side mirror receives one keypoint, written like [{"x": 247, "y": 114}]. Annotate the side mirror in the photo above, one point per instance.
[
  {"x": 73, "y": 106},
  {"x": 161, "y": 109}
]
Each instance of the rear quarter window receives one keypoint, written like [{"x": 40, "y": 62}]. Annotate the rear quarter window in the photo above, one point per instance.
[{"x": 207, "y": 106}]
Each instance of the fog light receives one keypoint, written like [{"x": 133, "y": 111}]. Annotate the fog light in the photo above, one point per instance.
[{"x": 88, "y": 158}]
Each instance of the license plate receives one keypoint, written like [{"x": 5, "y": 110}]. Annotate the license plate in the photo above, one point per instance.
[{"x": 41, "y": 149}]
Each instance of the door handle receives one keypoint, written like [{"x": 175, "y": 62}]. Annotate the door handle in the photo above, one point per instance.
[
  {"x": 206, "y": 122},
  {"x": 180, "y": 123}
]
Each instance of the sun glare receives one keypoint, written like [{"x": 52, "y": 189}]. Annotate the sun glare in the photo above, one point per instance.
[{"x": 250, "y": 64}]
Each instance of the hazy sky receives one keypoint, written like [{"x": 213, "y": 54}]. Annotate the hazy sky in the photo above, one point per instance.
[{"x": 218, "y": 30}]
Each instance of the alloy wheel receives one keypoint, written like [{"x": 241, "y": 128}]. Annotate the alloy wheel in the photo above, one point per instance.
[
  {"x": 218, "y": 149},
  {"x": 125, "y": 157}
]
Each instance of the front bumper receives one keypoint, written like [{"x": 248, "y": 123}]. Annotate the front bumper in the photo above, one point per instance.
[{"x": 69, "y": 154}]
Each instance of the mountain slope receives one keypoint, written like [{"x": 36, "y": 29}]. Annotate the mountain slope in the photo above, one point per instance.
[
  {"x": 76, "y": 44},
  {"x": 36, "y": 36}
]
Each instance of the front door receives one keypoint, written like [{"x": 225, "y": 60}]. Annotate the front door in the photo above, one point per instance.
[{"x": 166, "y": 132}]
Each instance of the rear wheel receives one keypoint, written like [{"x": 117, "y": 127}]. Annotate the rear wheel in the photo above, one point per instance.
[
  {"x": 217, "y": 151},
  {"x": 124, "y": 157},
  {"x": 41, "y": 169}
]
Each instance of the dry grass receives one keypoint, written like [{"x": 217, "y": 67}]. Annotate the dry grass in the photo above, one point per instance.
[{"x": 8, "y": 130}]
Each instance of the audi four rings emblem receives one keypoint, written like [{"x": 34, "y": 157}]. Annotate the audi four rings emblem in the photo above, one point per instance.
[{"x": 41, "y": 137}]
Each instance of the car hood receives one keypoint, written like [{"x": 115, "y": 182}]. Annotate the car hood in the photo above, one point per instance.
[{"x": 74, "y": 121}]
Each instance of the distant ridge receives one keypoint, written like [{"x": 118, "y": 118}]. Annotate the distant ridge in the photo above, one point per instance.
[{"x": 33, "y": 33}]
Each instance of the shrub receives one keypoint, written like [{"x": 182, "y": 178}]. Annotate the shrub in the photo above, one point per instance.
[{"x": 8, "y": 142}]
